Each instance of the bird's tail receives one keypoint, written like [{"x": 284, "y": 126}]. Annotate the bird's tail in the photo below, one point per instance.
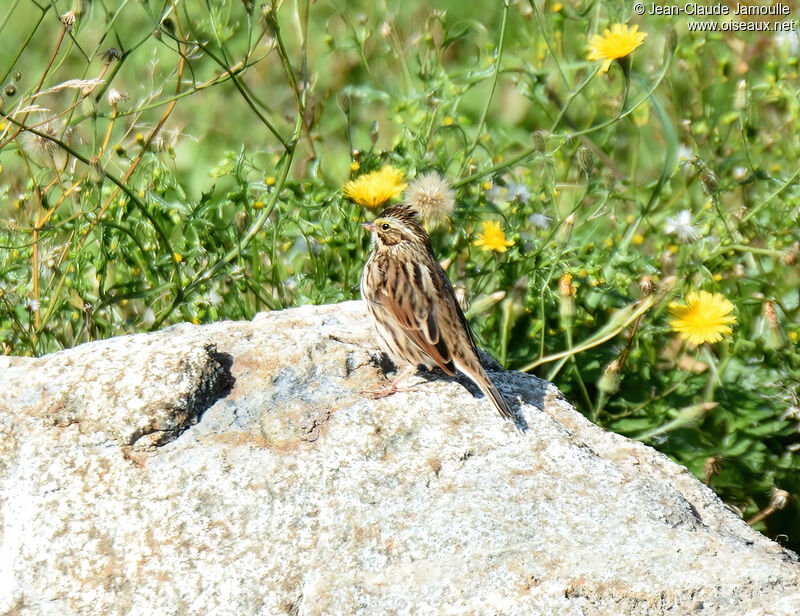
[{"x": 481, "y": 379}]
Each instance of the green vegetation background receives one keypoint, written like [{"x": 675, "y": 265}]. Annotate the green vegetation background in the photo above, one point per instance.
[{"x": 208, "y": 187}]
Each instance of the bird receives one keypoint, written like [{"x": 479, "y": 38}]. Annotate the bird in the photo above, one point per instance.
[{"x": 413, "y": 308}]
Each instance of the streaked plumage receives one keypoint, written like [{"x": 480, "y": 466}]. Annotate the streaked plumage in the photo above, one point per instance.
[{"x": 412, "y": 304}]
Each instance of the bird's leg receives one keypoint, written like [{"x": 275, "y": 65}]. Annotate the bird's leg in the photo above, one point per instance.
[{"x": 392, "y": 387}]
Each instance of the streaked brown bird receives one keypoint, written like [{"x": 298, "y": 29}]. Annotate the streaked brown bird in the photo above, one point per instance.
[{"x": 413, "y": 308}]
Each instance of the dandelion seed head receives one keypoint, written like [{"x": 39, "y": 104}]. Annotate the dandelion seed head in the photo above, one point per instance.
[
  {"x": 540, "y": 221},
  {"x": 431, "y": 196},
  {"x": 41, "y": 145},
  {"x": 681, "y": 227},
  {"x": 685, "y": 154},
  {"x": 518, "y": 192},
  {"x": 497, "y": 194},
  {"x": 115, "y": 96},
  {"x": 789, "y": 41}
]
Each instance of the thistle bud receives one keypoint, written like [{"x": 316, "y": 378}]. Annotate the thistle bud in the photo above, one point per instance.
[
  {"x": 740, "y": 99},
  {"x": 671, "y": 39},
  {"x": 484, "y": 303},
  {"x": 96, "y": 172},
  {"x": 790, "y": 255},
  {"x": 241, "y": 220},
  {"x": 343, "y": 98},
  {"x": 609, "y": 381},
  {"x": 610, "y": 182},
  {"x": 646, "y": 285},
  {"x": 586, "y": 159},
  {"x": 539, "y": 140},
  {"x": 709, "y": 181},
  {"x": 711, "y": 466},
  {"x": 68, "y": 20},
  {"x": 374, "y": 131},
  {"x": 566, "y": 229},
  {"x": 566, "y": 298},
  {"x": 461, "y": 298},
  {"x": 778, "y": 499},
  {"x": 513, "y": 305},
  {"x": 89, "y": 106},
  {"x": 775, "y": 336},
  {"x": 769, "y": 314}
]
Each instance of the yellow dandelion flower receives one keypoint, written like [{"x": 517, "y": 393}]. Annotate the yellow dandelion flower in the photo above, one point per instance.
[
  {"x": 372, "y": 190},
  {"x": 492, "y": 238},
  {"x": 615, "y": 44},
  {"x": 706, "y": 317}
]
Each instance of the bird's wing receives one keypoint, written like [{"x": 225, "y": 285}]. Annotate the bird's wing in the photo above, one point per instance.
[{"x": 413, "y": 307}]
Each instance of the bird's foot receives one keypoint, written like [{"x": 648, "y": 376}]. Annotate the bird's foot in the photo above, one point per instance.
[
  {"x": 383, "y": 392},
  {"x": 391, "y": 388}
]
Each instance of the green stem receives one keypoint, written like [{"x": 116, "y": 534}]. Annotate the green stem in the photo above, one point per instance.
[
  {"x": 207, "y": 274},
  {"x": 495, "y": 75}
]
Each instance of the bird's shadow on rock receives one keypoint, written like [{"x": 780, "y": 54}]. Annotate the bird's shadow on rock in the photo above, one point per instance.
[{"x": 521, "y": 394}]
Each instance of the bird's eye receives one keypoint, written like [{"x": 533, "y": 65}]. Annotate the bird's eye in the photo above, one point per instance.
[{"x": 385, "y": 226}]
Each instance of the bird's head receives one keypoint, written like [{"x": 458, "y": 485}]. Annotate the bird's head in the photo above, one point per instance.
[{"x": 396, "y": 225}]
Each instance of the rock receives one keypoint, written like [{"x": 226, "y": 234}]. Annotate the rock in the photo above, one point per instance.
[{"x": 237, "y": 468}]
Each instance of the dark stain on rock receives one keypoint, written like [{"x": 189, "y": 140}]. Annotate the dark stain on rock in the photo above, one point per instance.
[{"x": 216, "y": 383}]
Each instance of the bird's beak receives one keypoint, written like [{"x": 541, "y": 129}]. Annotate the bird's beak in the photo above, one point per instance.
[{"x": 369, "y": 226}]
